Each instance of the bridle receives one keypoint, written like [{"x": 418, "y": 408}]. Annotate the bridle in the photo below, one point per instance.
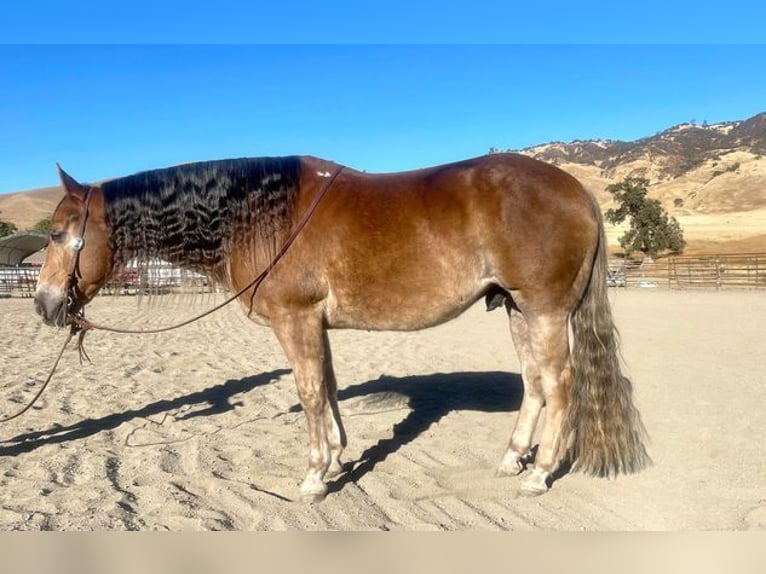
[
  {"x": 80, "y": 325},
  {"x": 77, "y": 243}
]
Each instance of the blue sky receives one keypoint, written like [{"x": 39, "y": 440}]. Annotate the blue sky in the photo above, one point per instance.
[
  {"x": 109, "y": 110},
  {"x": 389, "y": 21}
]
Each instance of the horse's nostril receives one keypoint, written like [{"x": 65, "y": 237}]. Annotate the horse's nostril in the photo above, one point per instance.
[
  {"x": 39, "y": 308},
  {"x": 49, "y": 308}
]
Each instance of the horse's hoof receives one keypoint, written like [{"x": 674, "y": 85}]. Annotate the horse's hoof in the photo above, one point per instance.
[
  {"x": 535, "y": 484},
  {"x": 511, "y": 465},
  {"x": 313, "y": 497},
  {"x": 509, "y": 469},
  {"x": 313, "y": 490},
  {"x": 532, "y": 490}
]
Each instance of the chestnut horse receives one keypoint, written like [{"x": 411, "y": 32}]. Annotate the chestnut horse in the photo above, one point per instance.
[{"x": 401, "y": 251}]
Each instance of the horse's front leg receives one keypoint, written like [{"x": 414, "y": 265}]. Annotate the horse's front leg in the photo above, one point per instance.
[{"x": 303, "y": 339}]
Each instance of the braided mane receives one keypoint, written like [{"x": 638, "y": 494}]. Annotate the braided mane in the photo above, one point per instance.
[{"x": 192, "y": 214}]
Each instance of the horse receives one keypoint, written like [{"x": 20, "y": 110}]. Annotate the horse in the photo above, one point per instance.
[{"x": 397, "y": 251}]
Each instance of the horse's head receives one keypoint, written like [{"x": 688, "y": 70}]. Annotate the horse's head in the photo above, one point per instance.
[{"x": 78, "y": 259}]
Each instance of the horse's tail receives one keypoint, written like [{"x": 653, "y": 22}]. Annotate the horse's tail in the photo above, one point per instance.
[{"x": 604, "y": 428}]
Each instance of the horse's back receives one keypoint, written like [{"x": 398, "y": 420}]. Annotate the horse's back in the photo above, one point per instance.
[{"x": 413, "y": 249}]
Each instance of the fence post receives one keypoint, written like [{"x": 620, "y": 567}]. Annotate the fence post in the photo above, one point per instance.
[
  {"x": 717, "y": 274},
  {"x": 670, "y": 263}
]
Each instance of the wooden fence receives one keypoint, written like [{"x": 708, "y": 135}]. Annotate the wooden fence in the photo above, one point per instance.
[{"x": 731, "y": 271}]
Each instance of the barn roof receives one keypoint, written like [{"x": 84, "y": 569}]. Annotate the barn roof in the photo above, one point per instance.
[{"x": 17, "y": 247}]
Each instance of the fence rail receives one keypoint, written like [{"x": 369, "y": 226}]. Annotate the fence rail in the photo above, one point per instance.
[
  {"x": 155, "y": 278},
  {"x": 730, "y": 271},
  {"x": 18, "y": 281}
]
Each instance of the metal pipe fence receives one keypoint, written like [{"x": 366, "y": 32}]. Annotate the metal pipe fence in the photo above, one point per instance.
[
  {"x": 18, "y": 281},
  {"x": 729, "y": 271}
]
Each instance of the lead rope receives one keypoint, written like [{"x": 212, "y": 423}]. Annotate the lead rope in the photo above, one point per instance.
[
  {"x": 45, "y": 384},
  {"x": 81, "y": 325},
  {"x": 71, "y": 283}
]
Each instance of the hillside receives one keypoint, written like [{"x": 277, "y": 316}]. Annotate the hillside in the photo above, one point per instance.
[
  {"x": 712, "y": 178},
  {"x": 26, "y": 208},
  {"x": 718, "y": 168}
]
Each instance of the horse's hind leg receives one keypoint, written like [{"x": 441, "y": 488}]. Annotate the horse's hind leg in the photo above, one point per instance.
[
  {"x": 549, "y": 344},
  {"x": 305, "y": 343},
  {"x": 532, "y": 401},
  {"x": 336, "y": 434}
]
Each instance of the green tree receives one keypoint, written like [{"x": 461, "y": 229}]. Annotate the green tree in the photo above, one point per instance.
[
  {"x": 43, "y": 226},
  {"x": 6, "y": 228},
  {"x": 651, "y": 230}
]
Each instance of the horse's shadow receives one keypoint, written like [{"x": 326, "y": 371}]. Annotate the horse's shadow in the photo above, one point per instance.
[
  {"x": 428, "y": 397},
  {"x": 215, "y": 400}
]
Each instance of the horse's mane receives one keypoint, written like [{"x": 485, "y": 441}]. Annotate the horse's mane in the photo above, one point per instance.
[{"x": 192, "y": 214}]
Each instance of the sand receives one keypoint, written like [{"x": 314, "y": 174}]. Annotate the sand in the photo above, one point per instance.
[{"x": 200, "y": 429}]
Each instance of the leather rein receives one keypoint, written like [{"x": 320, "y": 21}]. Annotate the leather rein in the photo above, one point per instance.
[
  {"x": 80, "y": 325},
  {"x": 76, "y": 243}
]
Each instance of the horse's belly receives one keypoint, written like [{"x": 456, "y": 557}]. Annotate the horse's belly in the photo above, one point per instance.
[{"x": 398, "y": 309}]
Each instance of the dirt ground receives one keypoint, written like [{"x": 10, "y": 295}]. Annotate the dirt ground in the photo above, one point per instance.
[{"x": 200, "y": 429}]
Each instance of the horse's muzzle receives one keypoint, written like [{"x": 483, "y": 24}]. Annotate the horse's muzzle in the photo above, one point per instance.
[{"x": 52, "y": 308}]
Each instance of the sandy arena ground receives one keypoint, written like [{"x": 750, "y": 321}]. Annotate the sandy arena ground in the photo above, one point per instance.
[{"x": 200, "y": 428}]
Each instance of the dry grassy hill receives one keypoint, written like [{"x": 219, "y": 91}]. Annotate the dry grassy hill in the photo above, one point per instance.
[
  {"x": 26, "y": 208},
  {"x": 712, "y": 178},
  {"x": 722, "y": 207}
]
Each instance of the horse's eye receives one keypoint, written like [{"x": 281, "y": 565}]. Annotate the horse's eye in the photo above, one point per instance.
[{"x": 58, "y": 236}]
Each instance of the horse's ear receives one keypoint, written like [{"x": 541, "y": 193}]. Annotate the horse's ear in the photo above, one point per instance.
[{"x": 71, "y": 186}]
